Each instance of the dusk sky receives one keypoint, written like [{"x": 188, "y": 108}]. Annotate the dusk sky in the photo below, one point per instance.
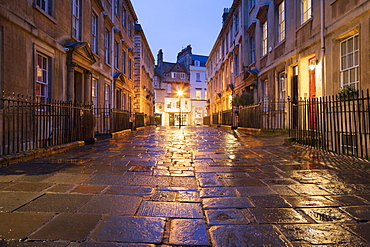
[{"x": 171, "y": 25}]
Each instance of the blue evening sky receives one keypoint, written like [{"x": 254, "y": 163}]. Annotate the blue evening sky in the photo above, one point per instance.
[{"x": 171, "y": 25}]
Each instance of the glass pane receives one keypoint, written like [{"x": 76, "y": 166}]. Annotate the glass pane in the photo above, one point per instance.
[
  {"x": 356, "y": 42},
  {"x": 344, "y": 63},
  {"x": 343, "y": 48},
  {"x": 352, "y": 76},
  {"x": 350, "y": 45},
  {"x": 350, "y": 60},
  {"x": 355, "y": 58},
  {"x": 345, "y": 77}
]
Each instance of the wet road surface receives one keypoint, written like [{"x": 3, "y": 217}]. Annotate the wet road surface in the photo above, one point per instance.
[{"x": 195, "y": 186}]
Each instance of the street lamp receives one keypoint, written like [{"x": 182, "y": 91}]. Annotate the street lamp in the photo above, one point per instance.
[{"x": 179, "y": 94}]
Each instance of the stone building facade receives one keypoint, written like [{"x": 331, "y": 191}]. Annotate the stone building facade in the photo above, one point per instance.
[
  {"x": 143, "y": 75},
  {"x": 196, "y": 65},
  {"x": 288, "y": 50},
  {"x": 172, "y": 89},
  {"x": 77, "y": 50}
]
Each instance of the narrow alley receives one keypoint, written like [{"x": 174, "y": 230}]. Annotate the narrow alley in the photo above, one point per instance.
[{"x": 194, "y": 186}]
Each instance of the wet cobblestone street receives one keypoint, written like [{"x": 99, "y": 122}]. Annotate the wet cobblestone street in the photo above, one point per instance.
[{"x": 195, "y": 186}]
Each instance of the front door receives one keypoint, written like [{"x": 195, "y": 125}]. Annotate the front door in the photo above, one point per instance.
[
  {"x": 295, "y": 97},
  {"x": 312, "y": 95}
]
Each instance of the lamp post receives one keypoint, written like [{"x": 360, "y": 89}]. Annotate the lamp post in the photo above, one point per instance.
[{"x": 179, "y": 94}]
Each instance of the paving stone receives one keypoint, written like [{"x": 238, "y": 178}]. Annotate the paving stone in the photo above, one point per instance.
[
  {"x": 244, "y": 182},
  {"x": 188, "y": 196},
  {"x": 271, "y": 201},
  {"x": 142, "y": 180},
  {"x": 217, "y": 192},
  {"x": 10, "y": 201},
  {"x": 94, "y": 244},
  {"x": 9, "y": 177},
  {"x": 5, "y": 184},
  {"x": 72, "y": 227},
  {"x": 187, "y": 232},
  {"x": 277, "y": 215},
  {"x": 310, "y": 201},
  {"x": 283, "y": 190},
  {"x": 171, "y": 210},
  {"x": 327, "y": 215},
  {"x": 321, "y": 234},
  {"x": 361, "y": 230},
  {"x": 106, "y": 179},
  {"x": 28, "y": 187},
  {"x": 227, "y": 202},
  {"x": 67, "y": 178},
  {"x": 189, "y": 182},
  {"x": 111, "y": 205},
  {"x": 210, "y": 182},
  {"x": 17, "y": 243},
  {"x": 255, "y": 190},
  {"x": 247, "y": 235},
  {"x": 360, "y": 213},
  {"x": 58, "y": 203},
  {"x": 88, "y": 189},
  {"x": 129, "y": 190},
  {"x": 164, "y": 196},
  {"x": 60, "y": 188},
  {"x": 226, "y": 217},
  {"x": 130, "y": 230},
  {"x": 347, "y": 200},
  {"x": 309, "y": 189},
  {"x": 21, "y": 225}
]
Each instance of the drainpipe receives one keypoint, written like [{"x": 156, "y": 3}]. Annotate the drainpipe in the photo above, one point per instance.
[{"x": 322, "y": 17}]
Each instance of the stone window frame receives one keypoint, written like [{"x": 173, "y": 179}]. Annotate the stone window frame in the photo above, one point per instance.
[{"x": 346, "y": 69}]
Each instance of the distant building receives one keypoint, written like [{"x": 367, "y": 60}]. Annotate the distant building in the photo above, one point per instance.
[
  {"x": 196, "y": 65},
  {"x": 186, "y": 76},
  {"x": 172, "y": 92}
]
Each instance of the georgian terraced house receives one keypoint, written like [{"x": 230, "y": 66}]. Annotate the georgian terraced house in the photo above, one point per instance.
[
  {"x": 284, "y": 51},
  {"x": 79, "y": 51}
]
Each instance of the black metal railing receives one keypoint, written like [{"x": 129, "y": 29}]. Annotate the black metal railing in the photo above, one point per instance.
[
  {"x": 31, "y": 122},
  {"x": 215, "y": 118},
  {"x": 335, "y": 124},
  {"x": 227, "y": 117},
  {"x": 265, "y": 115}
]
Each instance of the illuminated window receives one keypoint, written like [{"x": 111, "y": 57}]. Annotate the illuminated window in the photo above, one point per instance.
[
  {"x": 264, "y": 38},
  {"x": 282, "y": 21},
  {"x": 305, "y": 10},
  {"x": 42, "y": 78}
]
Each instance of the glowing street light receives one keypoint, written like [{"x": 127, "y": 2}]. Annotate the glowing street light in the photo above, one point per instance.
[{"x": 180, "y": 93}]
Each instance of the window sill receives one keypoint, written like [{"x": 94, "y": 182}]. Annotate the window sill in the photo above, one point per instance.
[
  {"x": 48, "y": 16},
  {"x": 280, "y": 43},
  {"x": 304, "y": 24}
]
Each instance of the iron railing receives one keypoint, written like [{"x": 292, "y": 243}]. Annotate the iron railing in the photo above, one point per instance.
[
  {"x": 109, "y": 120},
  {"x": 265, "y": 115},
  {"x": 215, "y": 118},
  {"x": 336, "y": 124},
  {"x": 32, "y": 122}
]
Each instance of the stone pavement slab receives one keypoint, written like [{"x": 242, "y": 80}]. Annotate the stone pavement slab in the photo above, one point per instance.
[
  {"x": 226, "y": 217},
  {"x": 21, "y": 225},
  {"x": 321, "y": 234},
  {"x": 247, "y": 235},
  {"x": 171, "y": 210},
  {"x": 10, "y": 201},
  {"x": 188, "y": 232},
  {"x": 130, "y": 230},
  {"x": 66, "y": 226},
  {"x": 111, "y": 205},
  {"x": 57, "y": 203}
]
